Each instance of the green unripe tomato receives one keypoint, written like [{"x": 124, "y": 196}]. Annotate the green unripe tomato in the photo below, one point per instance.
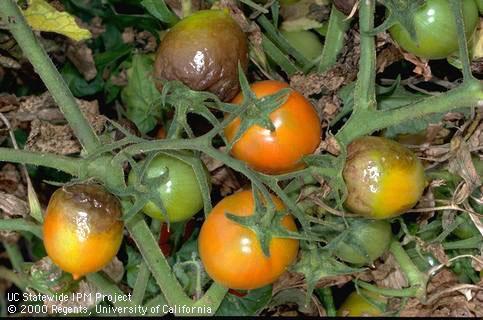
[
  {"x": 367, "y": 240},
  {"x": 181, "y": 193},
  {"x": 384, "y": 179},
  {"x": 357, "y": 306},
  {"x": 466, "y": 229},
  {"x": 436, "y": 29},
  {"x": 306, "y": 42}
]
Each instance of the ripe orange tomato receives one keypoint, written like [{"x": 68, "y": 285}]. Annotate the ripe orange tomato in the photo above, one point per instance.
[
  {"x": 82, "y": 228},
  {"x": 297, "y": 133},
  {"x": 232, "y": 254}
]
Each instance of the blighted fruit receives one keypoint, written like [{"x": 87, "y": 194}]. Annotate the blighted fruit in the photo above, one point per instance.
[
  {"x": 203, "y": 51},
  {"x": 384, "y": 178},
  {"x": 82, "y": 228}
]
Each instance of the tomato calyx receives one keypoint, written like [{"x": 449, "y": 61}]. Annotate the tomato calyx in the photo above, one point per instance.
[
  {"x": 255, "y": 111},
  {"x": 400, "y": 12},
  {"x": 265, "y": 222}
]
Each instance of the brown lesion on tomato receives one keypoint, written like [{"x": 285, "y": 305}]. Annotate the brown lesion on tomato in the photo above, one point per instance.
[
  {"x": 204, "y": 56},
  {"x": 100, "y": 210}
]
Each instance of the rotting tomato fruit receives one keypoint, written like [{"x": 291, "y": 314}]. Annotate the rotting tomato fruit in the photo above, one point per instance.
[
  {"x": 357, "y": 305},
  {"x": 82, "y": 228},
  {"x": 232, "y": 254},
  {"x": 366, "y": 241},
  {"x": 306, "y": 42},
  {"x": 180, "y": 193},
  {"x": 297, "y": 133},
  {"x": 436, "y": 32},
  {"x": 384, "y": 179},
  {"x": 203, "y": 51}
]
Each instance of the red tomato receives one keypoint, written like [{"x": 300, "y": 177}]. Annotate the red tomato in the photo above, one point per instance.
[
  {"x": 231, "y": 253},
  {"x": 297, "y": 133}
]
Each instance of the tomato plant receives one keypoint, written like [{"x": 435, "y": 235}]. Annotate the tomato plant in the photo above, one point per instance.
[
  {"x": 297, "y": 133},
  {"x": 231, "y": 253},
  {"x": 306, "y": 42},
  {"x": 82, "y": 228},
  {"x": 181, "y": 182},
  {"x": 203, "y": 51},
  {"x": 357, "y": 305},
  {"x": 435, "y": 26},
  {"x": 366, "y": 241},
  {"x": 384, "y": 178}
]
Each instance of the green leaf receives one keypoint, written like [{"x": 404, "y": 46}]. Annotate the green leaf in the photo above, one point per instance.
[
  {"x": 77, "y": 84},
  {"x": 401, "y": 12},
  {"x": 160, "y": 10},
  {"x": 140, "y": 97},
  {"x": 248, "y": 305},
  {"x": 134, "y": 259}
]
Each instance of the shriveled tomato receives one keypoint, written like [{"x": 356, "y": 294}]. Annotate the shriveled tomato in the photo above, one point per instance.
[
  {"x": 82, "y": 228},
  {"x": 203, "y": 51},
  {"x": 181, "y": 193},
  {"x": 231, "y": 253},
  {"x": 436, "y": 32},
  {"x": 384, "y": 179},
  {"x": 357, "y": 305},
  {"x": 297, "y": 133}
]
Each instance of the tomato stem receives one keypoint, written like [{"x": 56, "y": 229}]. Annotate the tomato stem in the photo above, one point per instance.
[
  {"x": 33, "y": 50},
  {"x": 69, "y": 165},
  {"x": 325, "y": 295},
  {"x": 21, "y": 225},
  {"x": 456, "y": 7},
  {"x": 14, "y": 255},
  {"x": 334, "y": 39}
]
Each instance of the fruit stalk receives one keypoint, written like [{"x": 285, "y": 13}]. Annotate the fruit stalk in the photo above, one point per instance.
[{"x": 32, "y": 49}]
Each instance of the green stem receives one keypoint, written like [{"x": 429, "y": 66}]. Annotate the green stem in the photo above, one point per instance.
[
  {"x": 67, "y": 164},
  {"x": 282, "y": 43},
  {"x": 34, "y": 52},
  {"x": 334, "y": 39},
  {"x": 155, "y": 305},
  {"x": 470, "y": 243},
  {"x": 325, "y": 295},
  {"x": 21, "y": 225},
  {"x": 416, "y": 278},
  {"x": 160, "y": 269},
  {"x": 107, "y": 287},
  {"x": 15, "y": 255},
  {"x": 13, "y": 277},
  {"x": 141, "y": 284},
  {"x": 279, "y": 57},
  {"x": 469, "y": 94},
  {"x": 365, "y": 90},
  {"x": 407, "y": 292},
  {"x": 456, "y": 6}
]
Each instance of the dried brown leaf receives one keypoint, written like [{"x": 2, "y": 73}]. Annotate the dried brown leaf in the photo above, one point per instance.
[
  {"x": 389, "y": 274},
  {"x": 461, "y": 164},
  {"x": 81, "y": 56},
  {"x": 114, "y": 270},
  {"x": 421, "y": 65},
  {"x": 11, "y": 181}
]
